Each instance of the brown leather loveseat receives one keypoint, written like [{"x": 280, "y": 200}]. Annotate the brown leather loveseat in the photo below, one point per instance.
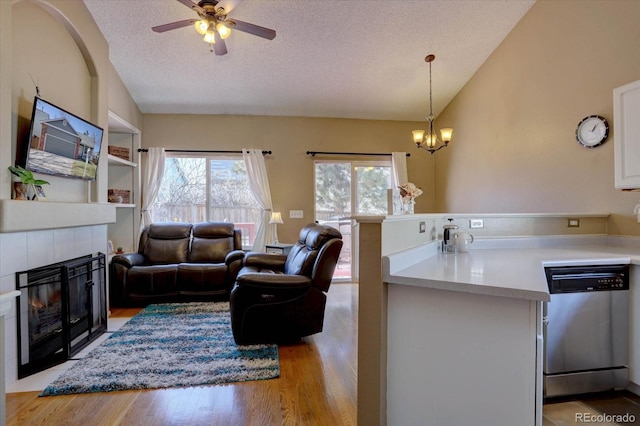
[{"x": 178, "y": 262}]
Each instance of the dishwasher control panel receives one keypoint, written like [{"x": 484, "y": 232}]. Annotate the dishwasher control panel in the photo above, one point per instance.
[{"x": 574, "y": 279}]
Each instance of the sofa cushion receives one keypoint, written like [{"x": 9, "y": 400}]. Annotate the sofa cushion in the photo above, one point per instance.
[
  {"x": 166, "y": 243},
  {"x": 202, "y": 278},
  {"x": 212, "y": 241},
  {"x": 304, "y": 253},
  {"x": 156, "y": 280}
]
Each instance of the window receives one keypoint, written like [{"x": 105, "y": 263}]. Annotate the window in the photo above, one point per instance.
[
  {"x": 344, "y": 189},
  {"x": 351, "y": 188},
  {"x": 208, "y": 188}
]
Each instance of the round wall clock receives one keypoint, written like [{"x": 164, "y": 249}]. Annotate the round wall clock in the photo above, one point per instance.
[{"x": 592, "y": 131}]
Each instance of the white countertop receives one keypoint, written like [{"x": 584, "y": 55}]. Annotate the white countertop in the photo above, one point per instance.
[{"x": 508, "y": 272}]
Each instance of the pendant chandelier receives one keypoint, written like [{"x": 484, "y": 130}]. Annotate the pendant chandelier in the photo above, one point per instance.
[{"x": 428, "y": 140}]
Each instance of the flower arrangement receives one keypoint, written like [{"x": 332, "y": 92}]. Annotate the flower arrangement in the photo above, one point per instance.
[{"x": 409, "y": 191}]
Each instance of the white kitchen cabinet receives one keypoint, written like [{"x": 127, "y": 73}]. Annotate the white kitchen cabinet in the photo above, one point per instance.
[
  {"x": 124, "y": 174},
  {"x": 454, "y": 358},
  {"x": 626, "y": 131}
]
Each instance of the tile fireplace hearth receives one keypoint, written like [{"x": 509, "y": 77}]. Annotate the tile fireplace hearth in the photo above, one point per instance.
[{"x": 61, "y": 309}]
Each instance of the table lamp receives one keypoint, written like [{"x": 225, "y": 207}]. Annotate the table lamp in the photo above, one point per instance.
[{"x": 276, "y": 218}]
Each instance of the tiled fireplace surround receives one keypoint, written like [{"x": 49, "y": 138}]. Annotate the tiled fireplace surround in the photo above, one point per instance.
[{"x": 70, "y": 230}]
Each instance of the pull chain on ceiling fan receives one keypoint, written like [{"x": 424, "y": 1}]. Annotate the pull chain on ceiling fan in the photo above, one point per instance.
[{"x": 214, "y": 25}]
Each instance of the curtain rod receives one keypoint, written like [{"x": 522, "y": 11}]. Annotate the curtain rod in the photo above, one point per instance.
[
  {"x": 202, "y": 151},
  {"x": 313, "y": 153}
]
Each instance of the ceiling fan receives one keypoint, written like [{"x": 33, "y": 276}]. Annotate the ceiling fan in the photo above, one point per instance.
[{"x": 214, "y": 25}]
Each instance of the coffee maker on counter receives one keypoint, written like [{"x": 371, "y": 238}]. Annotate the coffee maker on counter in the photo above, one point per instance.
[
  {"x": 449, "y": 237},
  {"x": 454, "y": 241}
]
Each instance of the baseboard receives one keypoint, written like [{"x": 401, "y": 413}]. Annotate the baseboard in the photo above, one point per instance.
[{"x": 633, "y": 388}]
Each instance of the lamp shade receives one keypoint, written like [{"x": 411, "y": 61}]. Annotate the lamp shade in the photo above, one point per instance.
[
  {"x": 446, "y": 134},
  {"x": 201, "y": 26},
  {"x": 276, "y": 217},
  {"x": 223, "y": 30},
  {"x": 418, "y": 135},
  {"x": 431, "y": 140},
  {"x": 209, "y": 37}
]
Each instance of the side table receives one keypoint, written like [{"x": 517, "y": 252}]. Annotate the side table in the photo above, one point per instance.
[{"x": 278, "y": 248}]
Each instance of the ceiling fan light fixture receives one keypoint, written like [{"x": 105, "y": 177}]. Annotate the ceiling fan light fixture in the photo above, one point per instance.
[
  {"x": 209, "y": 37},
  {"x": 212, "y": 23},
  {"x": 223, "y": 30},
  {"x": 202, "y": 26}
]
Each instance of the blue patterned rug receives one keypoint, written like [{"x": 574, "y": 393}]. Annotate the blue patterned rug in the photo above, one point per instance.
[{"x": 169, "y": 345}]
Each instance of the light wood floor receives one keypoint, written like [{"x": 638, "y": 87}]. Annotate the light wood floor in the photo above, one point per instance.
[
  {"x": 573, "y": 410},
  {"x": 317, "y": 386}
]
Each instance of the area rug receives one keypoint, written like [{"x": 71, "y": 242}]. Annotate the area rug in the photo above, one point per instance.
[{"x": 169, "y": 345}]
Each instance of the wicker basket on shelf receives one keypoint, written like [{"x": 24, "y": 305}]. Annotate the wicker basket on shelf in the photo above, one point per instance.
[
  {"x": 120, "y": 196},
  {"x": 120, "y": 152}
]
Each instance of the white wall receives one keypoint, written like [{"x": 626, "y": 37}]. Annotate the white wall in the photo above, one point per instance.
[{"x": 515, "y": 149}]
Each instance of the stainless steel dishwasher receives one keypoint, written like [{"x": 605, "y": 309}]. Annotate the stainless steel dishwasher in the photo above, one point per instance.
[{"x": 586, "y": 329}]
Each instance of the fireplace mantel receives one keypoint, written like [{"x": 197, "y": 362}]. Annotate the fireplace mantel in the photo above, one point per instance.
[{"x": 21, "y": 216}]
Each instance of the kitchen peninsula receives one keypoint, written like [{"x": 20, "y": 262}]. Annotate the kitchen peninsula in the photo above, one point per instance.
[{"x": 459, "y": 335}]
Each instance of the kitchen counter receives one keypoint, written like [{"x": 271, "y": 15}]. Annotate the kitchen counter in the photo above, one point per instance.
[
  {"x": 446, "y": 339},
  {"x": 508, "y": 272},
  {"x": 473, "y": 316}
]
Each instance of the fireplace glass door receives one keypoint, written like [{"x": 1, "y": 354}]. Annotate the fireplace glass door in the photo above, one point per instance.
[
  {"x": 62, "y": 308},
  {"x": 41, "y": 337}
]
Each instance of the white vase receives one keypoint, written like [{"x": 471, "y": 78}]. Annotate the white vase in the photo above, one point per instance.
[{"x": 409, "y": 206}]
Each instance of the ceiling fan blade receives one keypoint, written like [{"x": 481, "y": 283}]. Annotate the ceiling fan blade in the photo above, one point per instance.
[
  {"x": 220, "y": 47},
  {"x": 228, "y": 5},
  {"x": 252, "y": 29},
  {"x": 173, "y": 25},
  {"x": 192, "y": 5}
]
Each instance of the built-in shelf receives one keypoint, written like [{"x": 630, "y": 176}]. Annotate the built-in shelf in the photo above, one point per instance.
[
  {"x": 117, "y": 161},
  {"x": 124, "y": 175}
]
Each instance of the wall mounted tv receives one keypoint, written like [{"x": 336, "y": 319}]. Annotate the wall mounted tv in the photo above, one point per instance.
[{"x": 61, "y": 143}]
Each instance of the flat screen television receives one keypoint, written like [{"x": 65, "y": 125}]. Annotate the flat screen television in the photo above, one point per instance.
[{"x": 61, "y": 143}]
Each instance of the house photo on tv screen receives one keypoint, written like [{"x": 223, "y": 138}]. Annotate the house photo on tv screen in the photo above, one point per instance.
[{"x": 61, "y": 143}]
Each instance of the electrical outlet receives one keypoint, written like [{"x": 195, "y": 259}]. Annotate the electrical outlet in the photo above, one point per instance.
[
  {"x": 296, "y": 214},
  {"x": 573, "y": 223},
  {"x": 636, "y": 211},
  {"x": 476, "y": 223},
  {"x": 423, "y": 227}
]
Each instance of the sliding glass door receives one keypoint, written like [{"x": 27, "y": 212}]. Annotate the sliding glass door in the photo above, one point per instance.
[{"x": 344, "y": 189}]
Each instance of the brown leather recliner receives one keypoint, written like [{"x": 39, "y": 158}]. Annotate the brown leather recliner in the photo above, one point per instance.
[
  {"x": 178, "y": 262},
  {"x": 279, "y": 299}
]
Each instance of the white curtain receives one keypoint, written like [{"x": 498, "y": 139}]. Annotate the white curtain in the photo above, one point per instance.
[
  {"x": 399, "y": 167},
  {"x": 151, "y": 183},
  {"x": 259, "y": 184}
]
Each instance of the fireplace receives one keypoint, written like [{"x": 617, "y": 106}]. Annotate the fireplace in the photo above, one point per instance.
[{"x": 61, "y": 309}]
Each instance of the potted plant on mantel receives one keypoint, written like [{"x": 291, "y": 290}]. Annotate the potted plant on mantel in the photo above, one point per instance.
[{"x": 26, "y": 188}]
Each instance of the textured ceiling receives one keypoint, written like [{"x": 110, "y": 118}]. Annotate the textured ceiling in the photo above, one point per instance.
[{"x": 330, "y": 58}]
